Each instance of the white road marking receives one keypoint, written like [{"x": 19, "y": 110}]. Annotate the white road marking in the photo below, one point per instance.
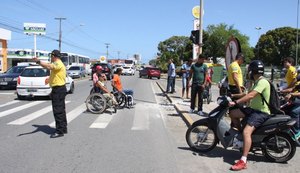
[
  {"x": 11, "y": 111},
  {"x": 102, "y": 121},
  {"x": 9, "y": 103},
  {"x": 32, "y": 116},
  {"x": 73, "y": 114},
  {"x": 141, "y": 121}
]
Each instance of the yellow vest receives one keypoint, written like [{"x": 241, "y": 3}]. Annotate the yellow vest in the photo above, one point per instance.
[
  {"x": 58, "y": 74},
  {"x": 235, "y": 68}
]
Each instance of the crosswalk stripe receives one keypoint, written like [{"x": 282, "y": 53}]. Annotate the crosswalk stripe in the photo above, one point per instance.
[
  {"x": 32, "y": 116},
  {"x": 73, "y": 114},
  {"x": 102, "y": 121},
  {"x": 9, "y": 103},
  {"x": 11, "y": 111},
  {"x": 140, "y": 121}
]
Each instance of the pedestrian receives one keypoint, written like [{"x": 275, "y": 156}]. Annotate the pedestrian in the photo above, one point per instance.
[
  {"x": 185, "y": 70},
  {"x": 171, "y": 77},
  {"x": 291, "y": 74},
  {"x": 198, "y": 73},
  {"x": 235, "y": 76},
  {"x": 57, "y": 81}
]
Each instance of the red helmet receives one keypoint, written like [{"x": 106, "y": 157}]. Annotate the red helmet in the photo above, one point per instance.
[{"x": 99, "y": 67}]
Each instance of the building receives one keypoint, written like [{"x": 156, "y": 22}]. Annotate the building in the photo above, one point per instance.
[{"x": 5, "y": 35}]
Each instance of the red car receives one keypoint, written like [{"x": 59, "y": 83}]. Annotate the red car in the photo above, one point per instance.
[{"x": 150, "y": 72}]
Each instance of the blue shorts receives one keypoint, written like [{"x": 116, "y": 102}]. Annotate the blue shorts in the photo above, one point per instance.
[{"x": 254, "y": 117}]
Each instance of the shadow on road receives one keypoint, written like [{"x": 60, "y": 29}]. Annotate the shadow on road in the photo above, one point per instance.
[{"x": 40, "y": 128}]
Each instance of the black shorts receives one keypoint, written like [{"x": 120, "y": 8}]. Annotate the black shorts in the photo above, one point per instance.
[{"x": 254, "y": 117}]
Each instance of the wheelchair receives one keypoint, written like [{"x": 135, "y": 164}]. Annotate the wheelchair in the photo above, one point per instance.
[
  {"x": 123, "y": 99},
  {"x": 97, "y": 103}
]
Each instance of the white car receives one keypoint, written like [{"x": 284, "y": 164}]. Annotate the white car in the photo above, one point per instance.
[
  {"x": 34, "y": 81},
  {"x": 128, "y": 70}
]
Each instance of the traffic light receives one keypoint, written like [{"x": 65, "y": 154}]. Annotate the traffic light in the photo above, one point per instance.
[{"x": 195, "y": 36}]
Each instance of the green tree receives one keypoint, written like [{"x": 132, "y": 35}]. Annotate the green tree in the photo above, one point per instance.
[
  {"x": 179, "y": 48},
  {"x": 217, "y": 38},
  {"x": 275, "y": 45}
]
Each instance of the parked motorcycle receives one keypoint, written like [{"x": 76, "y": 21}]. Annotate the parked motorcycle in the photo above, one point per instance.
[{"x": 273, "y": 138}]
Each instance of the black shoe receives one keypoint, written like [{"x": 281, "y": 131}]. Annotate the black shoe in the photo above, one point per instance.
[{"x": 56, "y": 135}]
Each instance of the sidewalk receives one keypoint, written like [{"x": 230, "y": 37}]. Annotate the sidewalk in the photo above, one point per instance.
[{"x": 183, "y": 105}]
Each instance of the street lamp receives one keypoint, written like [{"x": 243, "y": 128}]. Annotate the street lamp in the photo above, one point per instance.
[
  {"x": 297, "y": 34},
  {"x": 258, "y": 28}
]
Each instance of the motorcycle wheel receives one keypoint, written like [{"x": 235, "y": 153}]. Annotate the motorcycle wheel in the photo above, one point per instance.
[
  {"x": 96, "y": 103},
  {"x": 200, "y": 137},
  {"x": 280, "y": 150}
]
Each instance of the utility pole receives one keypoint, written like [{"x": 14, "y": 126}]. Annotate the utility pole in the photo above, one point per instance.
[
  {"x": 107, "y": 45},
  {"x": 60, "y": 33}
]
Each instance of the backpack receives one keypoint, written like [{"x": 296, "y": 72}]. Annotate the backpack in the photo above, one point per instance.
[{"x": 274, "y": 102}]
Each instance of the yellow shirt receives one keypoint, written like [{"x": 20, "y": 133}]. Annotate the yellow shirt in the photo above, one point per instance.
[
  {"x": 58, "y": 74},
  {"x": 235, "y": 68},
  {"x": 291, "y": 74}
]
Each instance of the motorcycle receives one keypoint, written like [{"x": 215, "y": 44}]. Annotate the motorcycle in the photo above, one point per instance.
[{"x": 273, "y": 138}]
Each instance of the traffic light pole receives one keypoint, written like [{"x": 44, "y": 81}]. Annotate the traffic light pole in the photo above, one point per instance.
[{"x": 200, "y": 27}]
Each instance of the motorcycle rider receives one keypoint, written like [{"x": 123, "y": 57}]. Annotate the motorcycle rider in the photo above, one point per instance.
[{"x": 254, "y": 115}]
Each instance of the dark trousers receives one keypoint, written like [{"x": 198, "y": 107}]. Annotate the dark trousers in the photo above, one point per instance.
[
  {"x": 59, "y": 109},
  {"x": 170, "y": 84},
  {"x": 197, "y": 90}
]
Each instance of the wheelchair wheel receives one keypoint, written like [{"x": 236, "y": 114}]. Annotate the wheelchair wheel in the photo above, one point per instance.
[
  {"x": 121, "y": 99},
  {"x": 96, "y": 103}
]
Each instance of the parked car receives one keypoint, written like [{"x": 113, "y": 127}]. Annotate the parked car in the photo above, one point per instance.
[
  {"x": 150, "y": 72},
  {"x": 128, "y": 70},
  {"x": 116, "y": 66},
  {"x": 76, "y": 71},
  {"x": 9, "y": 78},
  {"x": 106, "y": 69},
  {"x": 70, "y": 86},
  {"x": 34, "y": 81}
]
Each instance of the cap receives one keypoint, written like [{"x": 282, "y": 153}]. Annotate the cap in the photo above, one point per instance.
[
  {"x": 98, "y": 67},
  {"x": 56, "y": 53}
]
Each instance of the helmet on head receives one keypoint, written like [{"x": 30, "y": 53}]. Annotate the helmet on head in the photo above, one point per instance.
[
  {"x": 255, "y": 67},
  {"x": 99, "y": 67}
]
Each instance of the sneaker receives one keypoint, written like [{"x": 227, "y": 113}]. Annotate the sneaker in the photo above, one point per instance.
[
  {"x": 200, "y": 113},
  {"x": 191, "y": 111},
  {"x": 239, "y": 166}
]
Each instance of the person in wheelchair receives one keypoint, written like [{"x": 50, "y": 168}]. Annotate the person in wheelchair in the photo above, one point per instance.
[
  {"x": 117, "y": 84},
  {"x": 101, "y": 85}
]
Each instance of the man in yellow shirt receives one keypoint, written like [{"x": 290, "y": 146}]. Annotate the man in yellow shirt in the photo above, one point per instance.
[
  {"x": 291, "y": 74},
  {"x": 57, "y": 81},
  {"x": 235, "y": 76}
]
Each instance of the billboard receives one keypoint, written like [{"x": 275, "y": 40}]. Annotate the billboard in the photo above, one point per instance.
[{"x": 35, "y": 28}]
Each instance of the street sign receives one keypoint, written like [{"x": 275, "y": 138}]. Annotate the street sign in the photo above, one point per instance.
[
  {"x": 35, "y": 28},
  {"x": 196, "y": 12},
  {"x": 232, "y": 49},
  {"x": 102, "y": 58}
]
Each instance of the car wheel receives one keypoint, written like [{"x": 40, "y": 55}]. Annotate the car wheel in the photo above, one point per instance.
[
  {"x": 72, "y": 88},
  {"x": 20, "y": 97}
]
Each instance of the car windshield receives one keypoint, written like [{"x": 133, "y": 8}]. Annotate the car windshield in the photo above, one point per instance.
[
  {"x": 35, "y": 72},
  {"x": 153, "y": 68},
  {"x": 74, "y": 68},
  {"x": 15, "y": 69}
]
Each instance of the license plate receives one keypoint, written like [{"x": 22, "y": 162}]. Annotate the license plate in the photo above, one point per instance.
[
  {"x": 3, "y": 83},
  {"x": 32, "y": 90}
]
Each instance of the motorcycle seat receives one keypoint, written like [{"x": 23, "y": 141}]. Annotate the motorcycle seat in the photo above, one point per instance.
[{"x": 276, "y": 118}]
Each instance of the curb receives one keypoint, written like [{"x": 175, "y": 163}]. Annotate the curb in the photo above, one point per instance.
[{"x": 185, "y": 117}]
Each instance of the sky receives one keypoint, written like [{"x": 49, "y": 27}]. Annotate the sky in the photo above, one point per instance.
[{"x": 135, "y": 26}]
